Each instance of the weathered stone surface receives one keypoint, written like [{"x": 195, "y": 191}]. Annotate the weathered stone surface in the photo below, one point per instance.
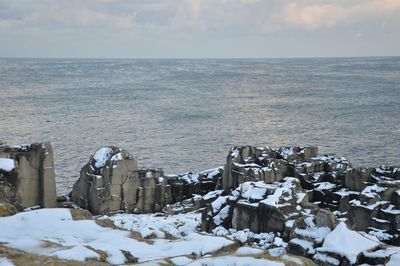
[
  {"x": 111, "y": 181},
  {"x": 356, "y": 178},
  {"x": 325, "y": 218},
  {"x": 300, "y": 247},
  {"x": 246, "y": 215},
  {"x": 31, "y": 182},
  {"x": 326, "y": 189},
  {"x": 7, "y": 209}
]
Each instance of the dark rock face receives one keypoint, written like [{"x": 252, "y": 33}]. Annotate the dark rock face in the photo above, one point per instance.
[
  {"x": 111, "y": 181},
  {"x": 27, "y": 175}
]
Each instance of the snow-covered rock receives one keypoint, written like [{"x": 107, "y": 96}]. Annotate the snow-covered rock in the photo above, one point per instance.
[{"x": 347, "y": 243}]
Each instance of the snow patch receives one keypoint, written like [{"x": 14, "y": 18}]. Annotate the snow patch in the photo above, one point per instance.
[
  {"x": 29, "y": 231},
  {"x": 101, "y": 156},
  {"x": 7, "y": 164},
  {"x": 233, "y": 260},
  {"x": 347, "y": 243}
]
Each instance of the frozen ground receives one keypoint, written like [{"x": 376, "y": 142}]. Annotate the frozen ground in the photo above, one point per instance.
[
  {"x": 156, "y": 239},
  {"x": 53, "y": 232}
]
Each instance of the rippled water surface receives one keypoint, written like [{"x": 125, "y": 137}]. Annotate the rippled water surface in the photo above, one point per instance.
[{"x": 183, "y": 115}]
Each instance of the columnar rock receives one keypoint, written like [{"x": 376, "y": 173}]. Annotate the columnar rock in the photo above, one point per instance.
[
  {"x": 300, "y": 195},
  {"x": 247, "y": 163},
  {"x": 27, "y": 175},
  {"x": 111, "y": 181},
  {"x": 108, "y": 182}
]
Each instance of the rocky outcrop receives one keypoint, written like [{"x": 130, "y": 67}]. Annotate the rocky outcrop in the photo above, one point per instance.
[
  {"x": 111, "y": 181},
  {"x": 27, "y": 175},
  {"x": 247, "y": 163},
  {"x": 300, "y": 196}
]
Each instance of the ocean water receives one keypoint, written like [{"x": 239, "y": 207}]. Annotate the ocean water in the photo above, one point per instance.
[{"x": 184, "y": 115}]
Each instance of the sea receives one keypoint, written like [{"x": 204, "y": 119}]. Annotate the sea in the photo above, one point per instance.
[{"x": 184, "y": 114}]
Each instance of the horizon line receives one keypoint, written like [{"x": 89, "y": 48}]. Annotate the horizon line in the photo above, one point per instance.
[{"x": 199, "y": 58}]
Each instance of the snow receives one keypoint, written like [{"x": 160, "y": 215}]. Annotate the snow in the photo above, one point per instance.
[
  {"x": 370, "y": 207},
  {"x": 154, "y": 263},
  {"x": 234, "y": 261},
  {"x": 117, "y": 157},
  {"x": 380, "y": 220},
  {"x": 7, "y": 164},
  {"x": 70, "y": 239},
  {"x": 78, "y": 252},
  {"x": 292, "y": 259},
  {"x": 345, "y": 192},
  {"x": 347, "y": 243},
  {"x": 254, "y": 190},
  {"x": 300, "y": 197},
  {"x": 275, "y": 252},
  {"x": 240, "y": 236},
  {"x": 191, "y": 178},
  {"x": 212, "y": 194},
  {"x": 248, "y": 251},
  {"x": 222, "y": 215},
  {"x": 212, "y": 172},
  {"x": 247, "y": 165},
  {"x": 382, "y": 253},
  {"x": 380, "y": 234},
  {"x": 5, "y": 262},
  {"x": 160, "y": 226},
  {"x": 220, "y": 231},
  {"x": 219, "y": 202},
  {"x": 289, "y": 223},
  {"x": 317, "y": 233},
  {"x": 394, "y": 260},
  {"x": 325, "y": 258},
  {"x": 279, "y": 242},
  {"x": 101, "y": 156},
  {"x": 261, "y": 240},
  {"x": 371, "y": 191},
  {"x": 306, "y": 245},
  {"x": 325, "y": 186},
  {"x": 286, "y": 152},
  {"x": 178, "y": 261},
  {"x": 284, "y": 189},
  {"x": 390, "y": 209}
]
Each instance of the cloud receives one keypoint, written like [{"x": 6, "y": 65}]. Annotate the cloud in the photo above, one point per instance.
[
  {"x": 311, "y": 15},
  {"x": 196, "y": 15}
]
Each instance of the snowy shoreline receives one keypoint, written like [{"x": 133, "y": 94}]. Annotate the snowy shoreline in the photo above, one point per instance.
[{"x": 264, "y": 205}]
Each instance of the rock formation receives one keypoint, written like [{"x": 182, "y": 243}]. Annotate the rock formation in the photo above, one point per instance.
[
  {"x": 27, "y": 175},
  {"x": 111, "y": 181},
  {"x": 301, "y": 197}
]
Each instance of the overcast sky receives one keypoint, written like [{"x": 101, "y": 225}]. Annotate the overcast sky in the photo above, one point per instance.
[{"x": 199, "y": 28}]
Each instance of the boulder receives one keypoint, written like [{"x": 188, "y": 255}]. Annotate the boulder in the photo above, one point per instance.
[
  {"x": 356, "y": 179},
  {"x": 110, "y": 182},
  {"x": 6, "y": 209},
  {"x": 27, "y": 176},
  {"x": 360, "y": 214},
  {"x": 325, "y": 218}
]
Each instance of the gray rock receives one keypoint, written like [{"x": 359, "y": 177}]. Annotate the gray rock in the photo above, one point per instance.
[
  {"x": 325, "y": 218},
  {"x": 111, "y": 181},
  {"x": 356, "y": 178},
  {"x": 32, "y": 180},
  {"x": 7, "y": 209}
]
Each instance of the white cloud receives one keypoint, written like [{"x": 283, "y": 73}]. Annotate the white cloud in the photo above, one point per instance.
[
  {"x": 195, "y": 23},
  {"x": 197, "y": 15},
  {"x": 312, "y": 15}
]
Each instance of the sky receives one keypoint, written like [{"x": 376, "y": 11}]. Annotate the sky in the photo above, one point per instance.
[{"x": 199, "y": 28}]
